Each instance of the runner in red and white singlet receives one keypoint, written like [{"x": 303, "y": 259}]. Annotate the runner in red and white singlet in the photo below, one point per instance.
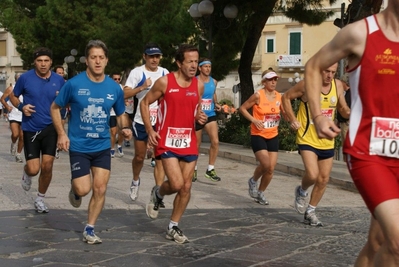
[
  {"x": 179, "y": 96},
  {"x": 372, "y": 143}
]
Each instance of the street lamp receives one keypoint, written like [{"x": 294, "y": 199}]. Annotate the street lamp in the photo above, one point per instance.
[
  {"x": 3, "y": 75},
  {"x": 203, "y": 14},
  {"x": 294, "y": 80},
  {"x": 71, "y": 64}
]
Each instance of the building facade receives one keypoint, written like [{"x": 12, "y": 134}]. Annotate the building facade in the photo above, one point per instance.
[{"x": 10, "y": 60}]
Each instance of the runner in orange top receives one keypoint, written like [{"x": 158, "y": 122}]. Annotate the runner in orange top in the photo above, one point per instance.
[{"x": 265, "y": 119}]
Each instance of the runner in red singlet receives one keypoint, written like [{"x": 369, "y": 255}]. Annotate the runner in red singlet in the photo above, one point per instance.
[
  {"x": 179, "y": 97},
  {"x": 372, "y": 143}
]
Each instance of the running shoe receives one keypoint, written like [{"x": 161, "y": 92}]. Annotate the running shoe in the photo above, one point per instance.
[
  {"x": 152, "y": 207},
  {"x": 40, "y": 206},
  {"x": 176, "y": 235},
  {"x": 301, "y": 202},
  {"x": 26, "y": 182},
  {"x": 253, "y": 188},
  {"x": 195, "y": 177},
  {"x": 134, "y": 191},
  {"x": 211, "y": 175},
  {"x": 153, "y": 162},
  {"x": 311, "y": 219},
  {"x": 112, "y": 153},
  {"x": 120, "y": 152},
  {"x": 75, "y": 200},
  {"x": 18, "y": 158},
  {"x": 127, "y": 143},
  {"x": 57, "y": 153},
  {"x": 13, "y": 149},
  {"x": 90, "y": 237},
  {"x": 261, "y": 199}
]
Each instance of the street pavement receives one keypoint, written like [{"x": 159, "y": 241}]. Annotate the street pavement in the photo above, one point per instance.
[{"x": 224, "y": 225}]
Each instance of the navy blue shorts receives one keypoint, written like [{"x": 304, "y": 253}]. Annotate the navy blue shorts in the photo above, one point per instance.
[
  {"x": 168, "y": 154},
  {"x": 139, "y": 132},
  {"x": 261, "y": 143},
  {"x": 112, "y": 121},
  {"x": 82, "y": 162},
  {"x": 321, "y": 153}
]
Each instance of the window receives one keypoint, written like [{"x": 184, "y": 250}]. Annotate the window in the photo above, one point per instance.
[
  {"x": 3, "y": 51},
  {"x": 270, "y": 43},
  {"x": 295, "y": 43}
]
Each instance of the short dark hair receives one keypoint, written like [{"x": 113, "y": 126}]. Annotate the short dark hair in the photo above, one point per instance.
[
  {"x": 183, "y": 48},
  {"x": 58, "y": 67},
  {"x": 97, "y": 44}
]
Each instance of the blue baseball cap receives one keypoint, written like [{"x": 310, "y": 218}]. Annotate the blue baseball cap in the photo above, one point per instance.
[{"x": 153, "y": 50}]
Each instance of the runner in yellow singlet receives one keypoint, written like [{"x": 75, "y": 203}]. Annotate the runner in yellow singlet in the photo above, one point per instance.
[{"x": 317, "y": 154}]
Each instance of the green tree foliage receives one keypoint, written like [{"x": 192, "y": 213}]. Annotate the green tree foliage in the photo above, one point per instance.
[{"x": 124, "y": 25}]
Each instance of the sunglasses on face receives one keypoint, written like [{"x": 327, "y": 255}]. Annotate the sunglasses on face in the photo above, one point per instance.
[{"x": 117, "y": 79}]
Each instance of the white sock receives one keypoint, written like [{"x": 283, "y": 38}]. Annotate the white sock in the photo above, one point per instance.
[
  {"x": 172, "y": 223},
  {"x": 135, "y": 183},
  {"x": 40, "y": 197},
  {"x": 310, "y": 208},
  {"x": 211, "y": 167}
]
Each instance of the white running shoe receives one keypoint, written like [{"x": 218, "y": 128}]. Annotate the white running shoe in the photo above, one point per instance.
[
  {"x": 13, "y": 149},
  {"x": 176, "y": 235},
  {"x": 301, "y": 202},
  {"x": 18, "y": 158},
  {"x": 90, "y": 237},
  {"x": 40, "y": 206},
  {"x": 26, "y": 182},
  {"x": 134, "y": 191}
]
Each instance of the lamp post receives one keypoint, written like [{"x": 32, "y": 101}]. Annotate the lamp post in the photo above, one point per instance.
[
  {"x": 296, "y": 79},
  {"x": 202, "y": 13},
  {"x": 71, "y": 64},
  {"x": 3, "y": 79}
]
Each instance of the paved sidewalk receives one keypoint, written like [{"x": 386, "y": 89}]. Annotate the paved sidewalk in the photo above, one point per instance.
[
  {"x": 287, "y": 162},
  {"x": 225, "y": 226}
]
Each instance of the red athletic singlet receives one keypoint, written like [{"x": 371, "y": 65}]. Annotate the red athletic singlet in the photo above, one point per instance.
[
  {"x": 374, "y": 121},
  {"x": 176, "y": 118}
]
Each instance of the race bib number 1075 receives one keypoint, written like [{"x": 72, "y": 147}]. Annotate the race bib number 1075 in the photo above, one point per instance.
[
  {"x": 384, "y": 140},
  {"x": 178, "y": 137}
]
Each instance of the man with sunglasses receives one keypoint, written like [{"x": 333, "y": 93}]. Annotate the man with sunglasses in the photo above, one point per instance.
[
  {"x": 138, "y": 84},
  {"x": 317, "y": 154}
]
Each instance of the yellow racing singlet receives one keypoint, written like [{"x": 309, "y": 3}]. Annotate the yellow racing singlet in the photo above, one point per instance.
[{"x": 306, "y": 135}]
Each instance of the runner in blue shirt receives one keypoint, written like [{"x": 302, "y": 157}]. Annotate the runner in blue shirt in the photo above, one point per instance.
[{"x": 91, "y": 95}]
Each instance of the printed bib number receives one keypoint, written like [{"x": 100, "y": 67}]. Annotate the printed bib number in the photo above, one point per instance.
[
  {"x": 206, "y": 104},
  {"x": 384, "y": 140},
  {"x": 271, "y": 120},
  {"x": 327, "y": 112},
  {"x": 153, "y": 115},
  {"x": 178, "y": 137}
]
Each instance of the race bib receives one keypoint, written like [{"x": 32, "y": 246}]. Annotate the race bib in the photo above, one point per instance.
[
  {"x": 153, "y": 115},
  {"x": 327, "y": 112},
  {"x": 271, "y": 120},
  {"x": 206, "y": 104},
  {"x": 384, "y": 140},
  {"x": 178, "y": 137}
]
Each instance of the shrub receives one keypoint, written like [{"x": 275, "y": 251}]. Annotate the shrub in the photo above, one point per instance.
[{"x": 236, "y": 130}]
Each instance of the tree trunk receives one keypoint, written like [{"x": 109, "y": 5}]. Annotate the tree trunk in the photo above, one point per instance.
[{"x": 257, "y": 24}]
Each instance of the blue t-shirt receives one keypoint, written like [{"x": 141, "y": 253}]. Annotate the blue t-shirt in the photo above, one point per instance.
[
  {"x": 208, "y": 104},
  {"x": 90, "y": 103},
  {"x": 40, "y": 93}
]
